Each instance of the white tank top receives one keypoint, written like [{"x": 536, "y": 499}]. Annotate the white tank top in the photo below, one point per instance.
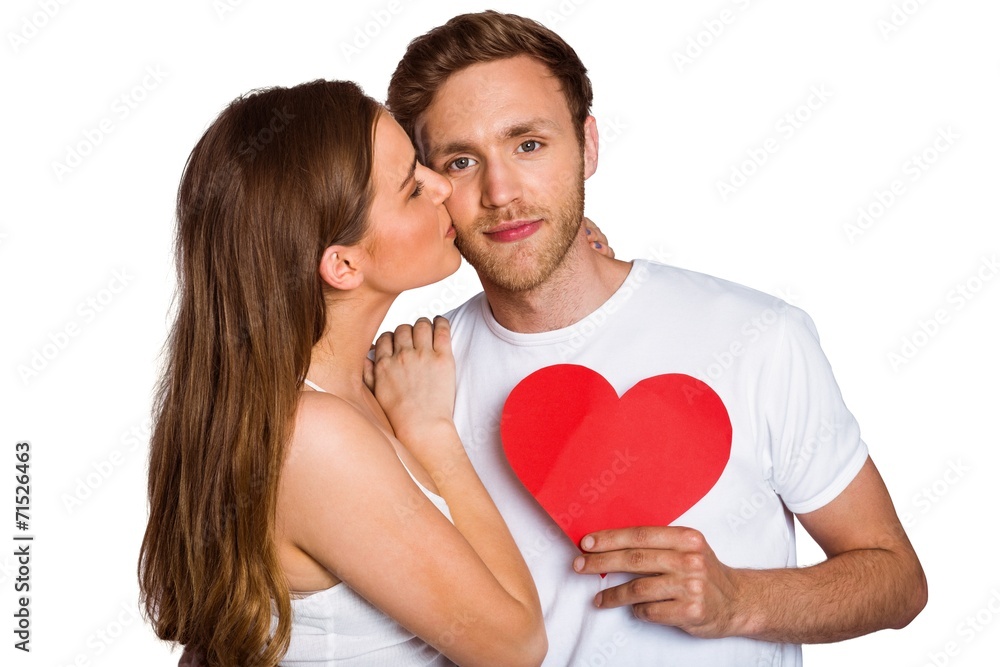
[{"x": 338, "y": 627}]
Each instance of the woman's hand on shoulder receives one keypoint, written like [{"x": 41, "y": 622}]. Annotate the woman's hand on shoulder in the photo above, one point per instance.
[
  {"x": 414, "y": 377},
  {"x": 596, "y": 238}
]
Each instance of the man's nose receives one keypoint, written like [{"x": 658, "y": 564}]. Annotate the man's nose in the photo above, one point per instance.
[{"x": 501, "y": 184}]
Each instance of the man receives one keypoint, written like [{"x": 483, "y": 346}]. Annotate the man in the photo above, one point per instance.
[{"x": 500, "y": 105}]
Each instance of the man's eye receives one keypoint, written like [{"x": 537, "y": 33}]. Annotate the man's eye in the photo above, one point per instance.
[
  {"x": 528, "y": 146},
  {"x": 417, "y": 190},
  {"x": 461, "y": 163}
]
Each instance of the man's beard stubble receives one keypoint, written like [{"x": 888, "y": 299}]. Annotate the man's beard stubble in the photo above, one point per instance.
[{"x": 508, "y": 276}]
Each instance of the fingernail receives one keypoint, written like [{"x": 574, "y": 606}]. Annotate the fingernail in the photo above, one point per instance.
[
  {"x": 597, "y": 245},
  {"x": 578, "y": 563},
  {"x": 588, "y": 231},
  {"x": 597, "y": 599},
  {"x": 587, "y": 542}
]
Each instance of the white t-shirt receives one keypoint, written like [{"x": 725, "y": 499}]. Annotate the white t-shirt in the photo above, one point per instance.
[{"x": 795, "y": 446}]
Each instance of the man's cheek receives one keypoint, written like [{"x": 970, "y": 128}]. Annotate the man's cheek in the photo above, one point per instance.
[{"x": 461, "y": 207}]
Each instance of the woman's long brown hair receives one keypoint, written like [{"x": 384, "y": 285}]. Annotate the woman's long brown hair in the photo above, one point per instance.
[{"x": 279, "y": 176}]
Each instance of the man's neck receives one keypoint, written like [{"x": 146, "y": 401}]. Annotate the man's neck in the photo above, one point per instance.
[{"x": 580, "y": 285}]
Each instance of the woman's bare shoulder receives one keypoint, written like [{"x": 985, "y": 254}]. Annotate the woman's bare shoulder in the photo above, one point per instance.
[
  {"x": 328, "y": 426},
  {"x": 335, "y": 455}
]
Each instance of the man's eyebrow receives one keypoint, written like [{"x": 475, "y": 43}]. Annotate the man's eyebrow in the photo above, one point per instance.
[
  {"x": 520, "y": 128},
  {"x": 530, "y": 126},
  {"x": 409, "y": 174}
]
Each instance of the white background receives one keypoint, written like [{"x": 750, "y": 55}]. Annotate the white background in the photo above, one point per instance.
[{"x": 672, "y": 132}]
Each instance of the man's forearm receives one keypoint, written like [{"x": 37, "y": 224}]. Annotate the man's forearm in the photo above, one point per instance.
[{"x": 848, "y": 595}]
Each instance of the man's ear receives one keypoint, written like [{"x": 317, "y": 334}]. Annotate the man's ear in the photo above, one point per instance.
[
  {"x": 339, "y": 267},
  {"x": 590, "y": 145}
]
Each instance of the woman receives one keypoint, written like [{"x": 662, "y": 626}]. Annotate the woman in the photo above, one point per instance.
[{"x": 291, "y": 509}]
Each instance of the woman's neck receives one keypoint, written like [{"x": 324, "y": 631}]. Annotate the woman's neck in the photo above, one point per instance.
[{"x": 338, "y": 359}]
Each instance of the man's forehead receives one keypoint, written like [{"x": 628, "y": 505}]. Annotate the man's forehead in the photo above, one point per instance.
[
  {"x": 482, "y": 84},
  {"x": 493, "y": 100}
]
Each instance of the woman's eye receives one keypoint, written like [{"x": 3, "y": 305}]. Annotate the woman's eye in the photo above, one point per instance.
[
  {"x": 417, "y": 190},
  {"x": 528, "y": 146}
]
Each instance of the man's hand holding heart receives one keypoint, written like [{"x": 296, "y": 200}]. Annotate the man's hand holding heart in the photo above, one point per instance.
[{"x": 681, "y": 582}]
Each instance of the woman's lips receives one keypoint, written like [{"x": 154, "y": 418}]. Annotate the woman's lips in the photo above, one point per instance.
[{"x": 515, "y": 230}]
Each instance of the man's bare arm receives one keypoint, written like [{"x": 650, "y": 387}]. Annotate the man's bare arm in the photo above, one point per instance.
[{"x": 871, "y": 579}]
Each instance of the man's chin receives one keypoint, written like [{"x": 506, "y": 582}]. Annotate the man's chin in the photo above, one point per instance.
[
  {"x": 522, "y": 265},
  {"x": 517, "y": 273}
]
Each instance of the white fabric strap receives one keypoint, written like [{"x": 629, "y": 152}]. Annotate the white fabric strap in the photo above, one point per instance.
[{"x": 315, "y": 386}]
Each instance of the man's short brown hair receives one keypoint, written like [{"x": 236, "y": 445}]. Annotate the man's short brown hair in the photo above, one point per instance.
[{"x": 469, "y": 39}]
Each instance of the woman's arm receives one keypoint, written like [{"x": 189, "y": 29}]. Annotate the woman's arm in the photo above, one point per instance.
[{"x": 463, "y": 588}]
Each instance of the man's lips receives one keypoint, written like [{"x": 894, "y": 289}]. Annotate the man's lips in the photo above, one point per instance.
[{"x": 513, "y": 230}]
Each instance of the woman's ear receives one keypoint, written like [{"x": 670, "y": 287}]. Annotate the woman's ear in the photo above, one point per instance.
[{"x": 339, "y": 267}]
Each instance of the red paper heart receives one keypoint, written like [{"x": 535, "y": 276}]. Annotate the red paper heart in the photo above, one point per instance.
[{"x": 595, "y": 461}]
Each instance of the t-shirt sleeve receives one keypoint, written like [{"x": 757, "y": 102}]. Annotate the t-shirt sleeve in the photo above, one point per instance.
[{"x": 816, "y": 447}]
